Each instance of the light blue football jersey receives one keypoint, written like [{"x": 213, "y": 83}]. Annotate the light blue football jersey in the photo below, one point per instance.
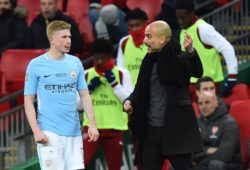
[{"x": 55, "y": 82}]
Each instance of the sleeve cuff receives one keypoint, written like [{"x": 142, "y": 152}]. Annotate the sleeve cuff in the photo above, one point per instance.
[
  {"x": 232, "y": 77},
  {"x": 113, "y": 84}
]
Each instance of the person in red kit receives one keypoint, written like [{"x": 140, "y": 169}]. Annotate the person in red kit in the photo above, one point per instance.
[
  {"x": 109, "y": 86},
  {"x": 131, "y": 48}
]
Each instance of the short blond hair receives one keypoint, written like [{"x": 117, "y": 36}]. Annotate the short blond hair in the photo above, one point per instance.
[{"x": 55, "y": 26}]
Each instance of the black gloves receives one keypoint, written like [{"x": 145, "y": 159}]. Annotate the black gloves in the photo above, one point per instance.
[
  {"x": 111, "y": 78},
  {"x": 94, "y": 83}
]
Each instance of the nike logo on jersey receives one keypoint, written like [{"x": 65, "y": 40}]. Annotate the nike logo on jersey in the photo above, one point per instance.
[{"x": 45, "y": 76}]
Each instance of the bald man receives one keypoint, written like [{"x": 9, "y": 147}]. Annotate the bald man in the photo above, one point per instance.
[{"x": 163, "y": 122}]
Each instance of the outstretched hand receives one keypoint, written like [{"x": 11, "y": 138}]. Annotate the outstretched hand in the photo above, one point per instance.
[{"x": 188, "y": 43}]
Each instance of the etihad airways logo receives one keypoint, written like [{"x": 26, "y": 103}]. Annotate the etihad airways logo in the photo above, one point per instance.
[{"x": 60, "y": 88}]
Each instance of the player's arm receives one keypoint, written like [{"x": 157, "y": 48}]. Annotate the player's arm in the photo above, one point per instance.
[
  {"x": 88, "y": 108},
  {"x": 123, "y": 90},
  {"x": 30, "y": 89},
  {"x": 31, "y": 115},
  {"x": 209, "y": 36}
]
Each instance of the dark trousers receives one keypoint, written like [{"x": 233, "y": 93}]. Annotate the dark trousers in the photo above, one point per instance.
[{"x": 152, "y": 157}]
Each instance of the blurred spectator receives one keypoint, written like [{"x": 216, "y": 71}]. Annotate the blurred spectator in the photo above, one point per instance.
[
  {"x": 210, "y": 45},
  {"x": 167, "y": 14},
  {"x": 203, "y": 84},
  {"x": 131, "y": 48},
  {"x": 110, "y": 24},
  {"x": 220, "y": 136},
  {"x": 13, "y": 26},
  {"x": 49, "y": 13},
  {"x": 109, "y": 87},
  {"x": 94, "y": 12},
  {"x": 206, "y": 84}
]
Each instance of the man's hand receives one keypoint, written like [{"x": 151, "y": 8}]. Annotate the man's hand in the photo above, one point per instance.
[
  {"x": 40, "y": 137},
  {"x": 110, "y": 77},
  {"x": 93, "y": 133},
  {"x": 211, "y": 150},
  {"x": 94, "y": 83},
  {"x": 188, "y": 43},
  {"x": 127, "y": 107}
]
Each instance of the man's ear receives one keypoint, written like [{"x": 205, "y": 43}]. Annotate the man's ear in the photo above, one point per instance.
[
  {"x": 164, "y": 39},
  {"x": 51, "y": 39},
  {"x": 198, "y": 93}
]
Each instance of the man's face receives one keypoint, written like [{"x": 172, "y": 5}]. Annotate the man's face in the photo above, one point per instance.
[
  {"x": 4, "y": 5},
  {"x": 135, "y": 24},
  {"x": 61, "y": 41},
  {"x": 184, "y": 18},
  {"x": 207, "y": 86},
  {"x": 101, "y": 59},
  {"x": 152, "y": 39},
  {"x": 207, "y": 104},
  {"x": 48, "y": 8}
]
